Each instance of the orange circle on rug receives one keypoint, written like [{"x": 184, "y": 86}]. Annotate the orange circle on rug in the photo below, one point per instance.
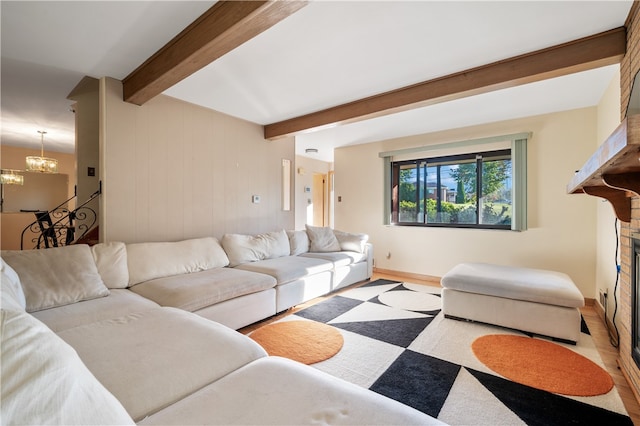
[
  {"x": 304, "y": 341},
  {"x": 542, "y": 364}
]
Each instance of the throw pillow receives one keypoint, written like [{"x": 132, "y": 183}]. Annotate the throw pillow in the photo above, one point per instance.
[
  {"x": 351, "y": 242},
  {"x": 299, "y": 242},
  {"x": 56, "y": 276},
  {"x": 322, "y": 239}
]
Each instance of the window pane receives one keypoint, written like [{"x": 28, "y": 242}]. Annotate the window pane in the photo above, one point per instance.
[
  {"x": 452, "y": 193},
  {"x": 496, "y": 192},
  {"x": 407, "y": 196},
  {"x": 466, "y": 190}
]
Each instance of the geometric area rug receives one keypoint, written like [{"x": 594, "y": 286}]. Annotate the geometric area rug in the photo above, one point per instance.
[{"x": 397, "y": 343}]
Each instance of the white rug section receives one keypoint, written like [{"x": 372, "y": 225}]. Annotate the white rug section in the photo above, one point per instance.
[
  {"x": 367, "y": 293},
  {"x": 368, "y": 311},
  {"x": 361, "y": 360},
  {"x": 423, "y": 288},
  {"x": 451, "y": 340},
  {"x": 411, "y": 300},
  {"x": 467, "y": 402}
]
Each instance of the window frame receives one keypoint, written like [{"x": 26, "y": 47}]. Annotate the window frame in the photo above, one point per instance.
[{"x": 421, "y": 165}]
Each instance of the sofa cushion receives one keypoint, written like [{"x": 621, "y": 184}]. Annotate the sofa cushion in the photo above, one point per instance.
[
  {"x": 322, "y": 239},
  {"x": 252, "y": 248},
  {"x": 192, "y": 292},
  {"x": 111, "y": 261},
  {"x": 312, "y": 397},
  {"x": 154, "y": 358},
  {"x": 299, "y": 242},
  {"x": 45, "y": 382},
  {"x": 11, "y": 287},
  {"x": 290, "y": 268},
  {"x": 56, "y": 276},
  {"x": 339, "y": 258},
  {"x": 120, "y": 302},
  {"x": 351, "y": 242},
  {"x": 147, "y": 261}
]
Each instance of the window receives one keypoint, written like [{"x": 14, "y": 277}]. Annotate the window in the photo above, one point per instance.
[
  {"x": 462, "y": 190},
  {"x": 479, "y": 183}
]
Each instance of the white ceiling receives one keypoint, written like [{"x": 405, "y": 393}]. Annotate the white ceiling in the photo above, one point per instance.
[{"x": 328, "y": 53}]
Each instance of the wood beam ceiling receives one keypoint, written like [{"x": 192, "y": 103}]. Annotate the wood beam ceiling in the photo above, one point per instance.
[
  {"x": 225, "y": 26},
  {"x": 587, "y": 53}
]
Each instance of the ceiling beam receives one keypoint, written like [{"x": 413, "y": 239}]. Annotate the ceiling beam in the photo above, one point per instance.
[
  {"x": 587, "y": 53},
  {"x": 222, "y": 28}
]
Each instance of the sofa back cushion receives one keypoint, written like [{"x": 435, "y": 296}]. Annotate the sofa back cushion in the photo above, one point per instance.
[
  {"x": 351, "y": 242},
  {"x": 147, "y": 261},
  {"x": 56, "y": 276},
  {"x": 45, "y": 382},
  {"x": 252, "y": 248},
  {"x": 111, "y": 261},
  {"x": 299, "y": 242}
]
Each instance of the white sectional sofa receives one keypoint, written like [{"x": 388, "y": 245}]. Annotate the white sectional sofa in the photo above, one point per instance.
[{"x": 83, "y": 344}]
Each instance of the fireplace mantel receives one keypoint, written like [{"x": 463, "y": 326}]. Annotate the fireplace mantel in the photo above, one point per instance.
[{"x": 613, "y": 171}]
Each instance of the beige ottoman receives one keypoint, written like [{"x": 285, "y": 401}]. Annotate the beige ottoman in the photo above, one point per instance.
[{"x": 531, "y": 300}]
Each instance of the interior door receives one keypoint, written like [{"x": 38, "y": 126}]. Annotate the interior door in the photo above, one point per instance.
[{"x": 318, "y": 198}]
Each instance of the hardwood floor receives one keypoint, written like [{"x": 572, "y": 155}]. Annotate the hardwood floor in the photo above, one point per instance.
[{"x": 608, "y": 353}]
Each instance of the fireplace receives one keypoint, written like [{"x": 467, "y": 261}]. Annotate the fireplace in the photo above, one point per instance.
[{"x": 635, "y": 297}]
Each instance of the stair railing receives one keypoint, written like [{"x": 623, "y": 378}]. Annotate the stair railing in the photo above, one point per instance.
[{"x": 60, "y": 226}]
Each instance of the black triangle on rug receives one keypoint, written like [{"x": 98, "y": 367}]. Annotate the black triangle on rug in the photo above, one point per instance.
[{"x": 398, "y": 344}]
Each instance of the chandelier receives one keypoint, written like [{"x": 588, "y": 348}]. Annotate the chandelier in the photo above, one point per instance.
[
  {"x": 10, "y": 177},
  {"x": 42, "y": 164}
]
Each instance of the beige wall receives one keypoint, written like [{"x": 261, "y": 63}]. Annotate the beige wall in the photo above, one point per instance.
[
  {"x": 305, "y": 169},
  {"x": 11, "y": 157},
  {"x": 172, "y": 170},
  {"x": 561, "y": 234},
  {"x": 608, "y": 120}
]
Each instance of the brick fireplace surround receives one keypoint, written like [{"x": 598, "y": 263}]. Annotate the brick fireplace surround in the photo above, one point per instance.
[{"x": 629, "y": 66}]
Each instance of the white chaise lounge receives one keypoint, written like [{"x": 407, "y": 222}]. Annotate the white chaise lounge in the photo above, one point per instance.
[{"x": 532, "y": 300}]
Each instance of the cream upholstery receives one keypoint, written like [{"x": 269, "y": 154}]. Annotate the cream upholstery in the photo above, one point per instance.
[
  {"x": 111, "y": 261},
  {"x": 119, "y": 302},
  {"x": 532, "y": 300},
  {"x": 298, "y": 241},
  {"x": 287, "y": 269},
  {"x": 122, "y": 357},
  {"x": 64, "y": 275},
  {"x": 43, "y": 380},
  {"x": 199, "y": 290},
  {"x": 322, "y": 239},
  {"x": 152, "y": 359},
  {"x": 311, "y": 396},
  {"x": 147, "y": 261},
  {"x": 252, "y": 248}
]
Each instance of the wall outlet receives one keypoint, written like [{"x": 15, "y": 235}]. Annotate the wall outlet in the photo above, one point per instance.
[{"x": 603, "y": 297}]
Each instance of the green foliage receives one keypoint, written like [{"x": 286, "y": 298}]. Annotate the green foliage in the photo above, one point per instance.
[
  {"x": 494, "y": 174},
  {"x": 490, "y": 214}
]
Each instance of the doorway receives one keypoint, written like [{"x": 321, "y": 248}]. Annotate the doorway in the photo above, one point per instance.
[{"x": 319, "y": 199}]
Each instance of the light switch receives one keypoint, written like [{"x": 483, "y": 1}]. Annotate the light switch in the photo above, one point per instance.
[{"x": 255, "y": 199}]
